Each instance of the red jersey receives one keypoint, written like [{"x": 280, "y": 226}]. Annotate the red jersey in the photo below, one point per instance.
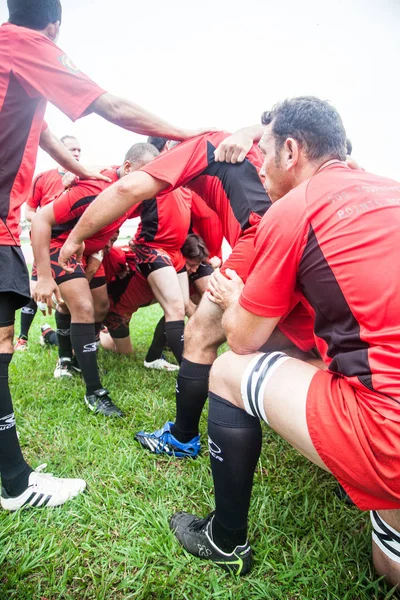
[
  {"x": 164, "y": 221},
  {"x": 45, "y": 187},
  {"x": 234, "y": 192},
  {"x": 335, "y": 238},
  {"x": 207, "y": 224},
  {"x": 32, "y": 70},
  {"x": 70, "y": 206}
]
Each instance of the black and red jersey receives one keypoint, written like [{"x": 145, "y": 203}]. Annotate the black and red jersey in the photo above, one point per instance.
[
  {"x": 32, "y": 70},
  {"x": 234, "y": 192},
  {"x": 70, "y": 206},
  {"x": 164, "y": 221},
  {"x": 45, "y": 187}
]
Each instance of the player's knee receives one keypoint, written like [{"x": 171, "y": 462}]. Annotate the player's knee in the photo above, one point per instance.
[
  {"x": 82, "y": 310},
  {"x": 221, "y": 375},
  {"x": 6, "y": 340},
  {"x": 101, "y": 309},
  {"x": 175, "y": 310}
]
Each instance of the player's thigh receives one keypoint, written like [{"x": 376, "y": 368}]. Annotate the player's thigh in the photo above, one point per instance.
[
  {"x": 9, "y": 303},
  {"x": 165, "y": 285},
  {"x": 183, "y": 280},
  {"x": 278, "y": 392},
  {"x": 201, "y": 285},
  {"x": 77, "y": 295}
]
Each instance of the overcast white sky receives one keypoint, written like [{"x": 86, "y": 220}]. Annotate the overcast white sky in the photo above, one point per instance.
[{"x": 222, "y": 62}]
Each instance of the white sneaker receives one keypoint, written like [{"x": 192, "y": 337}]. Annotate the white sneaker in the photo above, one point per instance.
[
  {"x": 44, "y": 490},
  {"x": 161, "y": 365},
  {"x": 64, "y": 368}
]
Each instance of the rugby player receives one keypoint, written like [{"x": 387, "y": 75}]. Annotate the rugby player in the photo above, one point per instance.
[
  {"x": 34, "y": 70},
  {"x": 325, "y": 233},
  {"x": 133, "y": 291},
  {"x": 45, "y": 187},
  {"x": 235, "y": 192}
]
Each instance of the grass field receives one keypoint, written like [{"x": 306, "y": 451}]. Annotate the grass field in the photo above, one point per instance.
[{"x": 114, "y": 542}]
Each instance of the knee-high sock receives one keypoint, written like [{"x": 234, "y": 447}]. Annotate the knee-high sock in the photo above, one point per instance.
[
  {"x": 14, "y": 470},
  {"x": 235, "y": 445},
  {"x": 174, "y": 332},
  {"x": 84, "y": 345},
  {"x": 28, "y": 313},
  {"x": 159, "y": 340},
  {"x": 64, "y": 335},
  {"x": 191, "y": 396}
]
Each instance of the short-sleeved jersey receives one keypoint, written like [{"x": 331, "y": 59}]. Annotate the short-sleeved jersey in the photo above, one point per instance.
[
  {"x": 45, "y": 187},
  {"x": 32, "y": 71},
  {"x": 164, "y": 221},
  {"x": 234, "y": 192},
  {"x": 206, "y": 223},
  {"x": 335, "y": 238},
  {"x": 70, "y": 206}
]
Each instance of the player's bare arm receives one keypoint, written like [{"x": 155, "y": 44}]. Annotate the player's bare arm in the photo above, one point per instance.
[
  {"x": 245, "y": 332},
  {"x": 133, "y": 117},
  {"x": 111, "y": 204},
  {"x": 56, "y": 149},
  {"x": 41, "y": 236},
  {"x": 235, "y": 148}
]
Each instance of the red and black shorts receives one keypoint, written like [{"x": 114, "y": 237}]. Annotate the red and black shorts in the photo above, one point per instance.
[
  {"x": 61, "y": 276},
  {"x": 148, "y": 259},
  {"x": 126, "y": 295}
]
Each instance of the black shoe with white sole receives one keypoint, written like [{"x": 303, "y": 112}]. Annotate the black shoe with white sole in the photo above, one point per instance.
[{"x": 100, "y": 403}]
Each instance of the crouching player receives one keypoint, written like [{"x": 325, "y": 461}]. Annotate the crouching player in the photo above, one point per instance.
[
  {"x": 326, "y": 218},
  {"x": 133, "y": 291}
]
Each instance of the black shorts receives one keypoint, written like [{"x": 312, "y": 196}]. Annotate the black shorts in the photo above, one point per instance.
[
  {"x": 204, "y": 270},
  {"x": 14, "y": 276},
  {"x": 149, "y": 259},
  {"x": 57, "y": 272}
]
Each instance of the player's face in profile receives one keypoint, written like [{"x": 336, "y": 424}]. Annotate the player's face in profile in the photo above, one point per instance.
[
  {"x": 192, "y": 265},
  {"x": 274, "y": 175},
  {"x": 73, "y": 147}
]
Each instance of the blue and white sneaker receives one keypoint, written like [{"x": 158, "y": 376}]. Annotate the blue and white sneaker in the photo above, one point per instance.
[{"x": 163, "y": 442}]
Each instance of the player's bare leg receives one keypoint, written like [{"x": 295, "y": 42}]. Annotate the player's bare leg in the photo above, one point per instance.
[
  {"x": 78, "y": 297},
  {"x": 165, "y": 286}
]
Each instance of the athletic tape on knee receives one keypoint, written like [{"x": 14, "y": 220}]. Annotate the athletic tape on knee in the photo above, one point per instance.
[
  {"x": 255, "y": 380},
  {"x": 385, "y": 537}
]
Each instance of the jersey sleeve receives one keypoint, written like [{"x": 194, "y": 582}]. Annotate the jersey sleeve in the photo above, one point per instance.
[
  {"x": 280, "y": 240},
  {"x": 36, "y": 193},
  {"x": 45, "y": 70},
  {"x": 181, "y": 164}
]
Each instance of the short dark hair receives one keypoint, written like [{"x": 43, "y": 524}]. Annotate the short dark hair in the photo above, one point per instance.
[
  {"x": 195, "y": 248},
  {"x": 137, "y": 152},
  {"x": 312, "y": 122},
  {"x": 158, "y": 142},
  {"x": 34, "y": 14},
  {"x": 349, "y": 146}
]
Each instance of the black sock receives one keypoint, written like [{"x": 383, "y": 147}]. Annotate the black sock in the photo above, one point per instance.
[
  {"x": 14, "y": 470},
  {"x": 28, "y": 313},
  {"x": 235, "y": 440},
  {"x": 159, "y": 340},
  {"x": 174, "y": 332},
  {"x": 84, "y": 344},
  {"x": 191, "y": 396},
  {"x": 64, "y": 335},
  {"x": 97, "y": 329}
]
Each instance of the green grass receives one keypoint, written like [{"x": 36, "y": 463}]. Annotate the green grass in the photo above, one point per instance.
[{"x": 114, "y": 542}]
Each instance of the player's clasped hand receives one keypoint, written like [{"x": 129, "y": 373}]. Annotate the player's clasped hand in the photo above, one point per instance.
[
  {"x": 69, "y": 250},
  {"x": 43, "y": 294},
  {"x": 234, "y": 148},
  {"x": 224, "y": 290}
]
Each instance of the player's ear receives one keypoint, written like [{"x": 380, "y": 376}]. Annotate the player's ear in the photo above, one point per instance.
[{"x": 291, "y": 153}]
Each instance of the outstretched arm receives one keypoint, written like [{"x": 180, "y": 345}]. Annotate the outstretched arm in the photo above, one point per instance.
[
  {"x": 109, "y": 206},
  {"x": 56, "y": 149},
  {"x": 133, "y": 117}
]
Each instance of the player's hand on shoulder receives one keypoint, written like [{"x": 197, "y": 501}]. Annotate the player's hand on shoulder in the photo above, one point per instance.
[
  {"x": 215, "y": 262},
  {"x": 69, "y": 179},
  {"x": 234, "y": 148}
]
